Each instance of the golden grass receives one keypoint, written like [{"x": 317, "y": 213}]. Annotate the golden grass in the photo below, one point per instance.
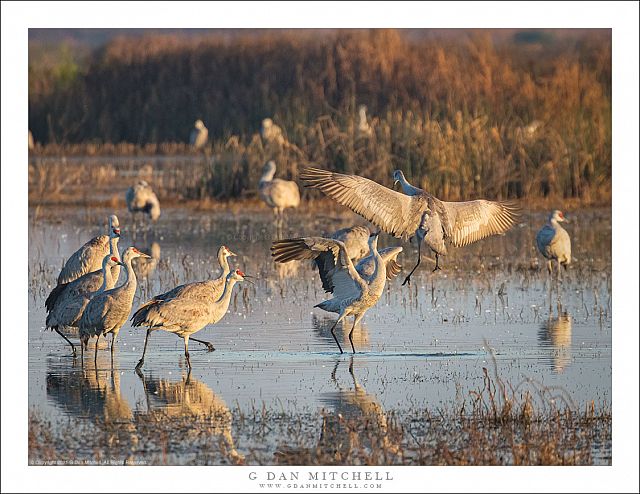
[{"x": 463, "y": 117}]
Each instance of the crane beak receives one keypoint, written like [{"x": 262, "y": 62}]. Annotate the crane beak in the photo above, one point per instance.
[
  {"x": 232, "y": 254},
  {"x": 250, "y": 278}
]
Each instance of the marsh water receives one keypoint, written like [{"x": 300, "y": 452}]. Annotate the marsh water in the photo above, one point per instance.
[{"x": 492, "y": 306}]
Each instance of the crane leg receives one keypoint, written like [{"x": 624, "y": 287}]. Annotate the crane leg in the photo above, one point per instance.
[
  {"x": 334, "y": 334},
  {"x": 437, "y": 268},
  {"x": 95, "y": 355},
  {"x": 186, "y": 351},
  {"x": 206, "y": 343},
  {"x": 146, "y": 340},
  {"x": 73, "y": 348},
  {"x": 356, "y": 320},
  {"x": 408, "y": 278}
]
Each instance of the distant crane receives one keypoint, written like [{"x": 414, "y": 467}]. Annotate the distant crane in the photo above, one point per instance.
[
  {"x": 364, "y": 129},
  {"x": 186, "y": 311},
  {"x": 272, "y": 133},
  {"x": 108, "y": 311},
  {"x": 278, "y": 194},
  {"x": 89, "y": 257},
  {"x": 432, "y": 221},
  {"x": 553, "y": 241},
  {"x": 199, "y": 135},
  {"x": 353, "y": 293},
  {"x": 141, "y": 198}
]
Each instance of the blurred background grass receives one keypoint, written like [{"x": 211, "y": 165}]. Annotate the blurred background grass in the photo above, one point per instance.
[{"x": 465, "y": 113}]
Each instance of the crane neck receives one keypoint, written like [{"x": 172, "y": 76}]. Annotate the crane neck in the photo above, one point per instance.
[
  {"x": 407, "y": 188},
  {"x": 130, "y": 283},
  {"x": 107, "y": 278},
  {"x": 225, "y": 298},
  {"x": 115, "y": 270},
  {"x": 224, "y": 265},
  {"x": 268, "y": 175}
]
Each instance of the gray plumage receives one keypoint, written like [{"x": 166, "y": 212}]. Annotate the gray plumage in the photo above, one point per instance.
[
  {"x": 199, "y": 135},
  {"x": 141, "y": 198},
  {"x": 186, "y": 311},
  {"x": 553, "y": 241},
  {"x": 67, "y": 306},
  {"x": 356, "y": 241},
  {"x": 108, "y": 311},
  {"x": 307, "y": 248},
  {"x": 278, "y": 194},
  {"x": 89, "y": 257},
  {"x": 353, "y": 293},
  {"x": 214, "y": 286},
  {"x": 401, "y": 215}
]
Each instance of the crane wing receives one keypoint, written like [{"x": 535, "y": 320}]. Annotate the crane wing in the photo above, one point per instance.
[
  {"x": 86, "y": 259},
  {"x": 395, "y": 213},
  {"x": 342, "y": 276},
  {"x": 470, "y": 221}
]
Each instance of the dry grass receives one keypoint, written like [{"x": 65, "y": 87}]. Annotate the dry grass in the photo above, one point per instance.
[
  {"x": 464, "y": 117},
  {"x": 498, "y": 429}
]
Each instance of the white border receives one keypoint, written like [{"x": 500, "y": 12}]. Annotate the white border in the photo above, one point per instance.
[{"x": 621, "y": 16}]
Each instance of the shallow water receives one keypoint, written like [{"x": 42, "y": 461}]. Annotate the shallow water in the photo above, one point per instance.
[{"x": 423, "y": 346}]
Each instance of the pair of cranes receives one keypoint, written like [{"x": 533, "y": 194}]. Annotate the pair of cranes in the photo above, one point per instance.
[
  {"x": 86, "y": 298},
  {"x": 355, "y": 287}
]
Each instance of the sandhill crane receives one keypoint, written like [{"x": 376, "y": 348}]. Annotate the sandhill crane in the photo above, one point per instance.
[
  {"x": 433, "y": 221},
  {"x": 355, "y": 239},
  {"x": 191, "y": 398},
  {"x": 141, "y": 198},
  {"x": 199, "y": 135},
  {"x": 364, "y": 129},
  {"x": 89, "y": 257},
  {"x": 145, "y": 267},
  {"x": 108, "y": 311},
  {"x": 556, "y": 333},
  {"x": 285, "y": 251},
  {"x": 272, "y": 133},
  {"x": 68, "y": 308},
  {"x": 553, "y": 241},
  {"x": 215, "y": 286},
  {"x": 278, "y": 194},
  {"x": 186, "y": 312},
  {"x": 353, "y": 293}
]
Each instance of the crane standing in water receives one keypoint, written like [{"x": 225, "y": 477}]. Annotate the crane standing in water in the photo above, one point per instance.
[
  {"x": 186, "y": 311},
  {"x": 353, "y": 293},
  {"x": 554, "y": 243},
  {"x": 108, "y": 311}
]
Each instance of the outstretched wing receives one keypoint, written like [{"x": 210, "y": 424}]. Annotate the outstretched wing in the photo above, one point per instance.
[
  {"x": 342, "y": 277},
  {"x": 395, "y": 213},
  {"x": 470, "y": 221}
]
